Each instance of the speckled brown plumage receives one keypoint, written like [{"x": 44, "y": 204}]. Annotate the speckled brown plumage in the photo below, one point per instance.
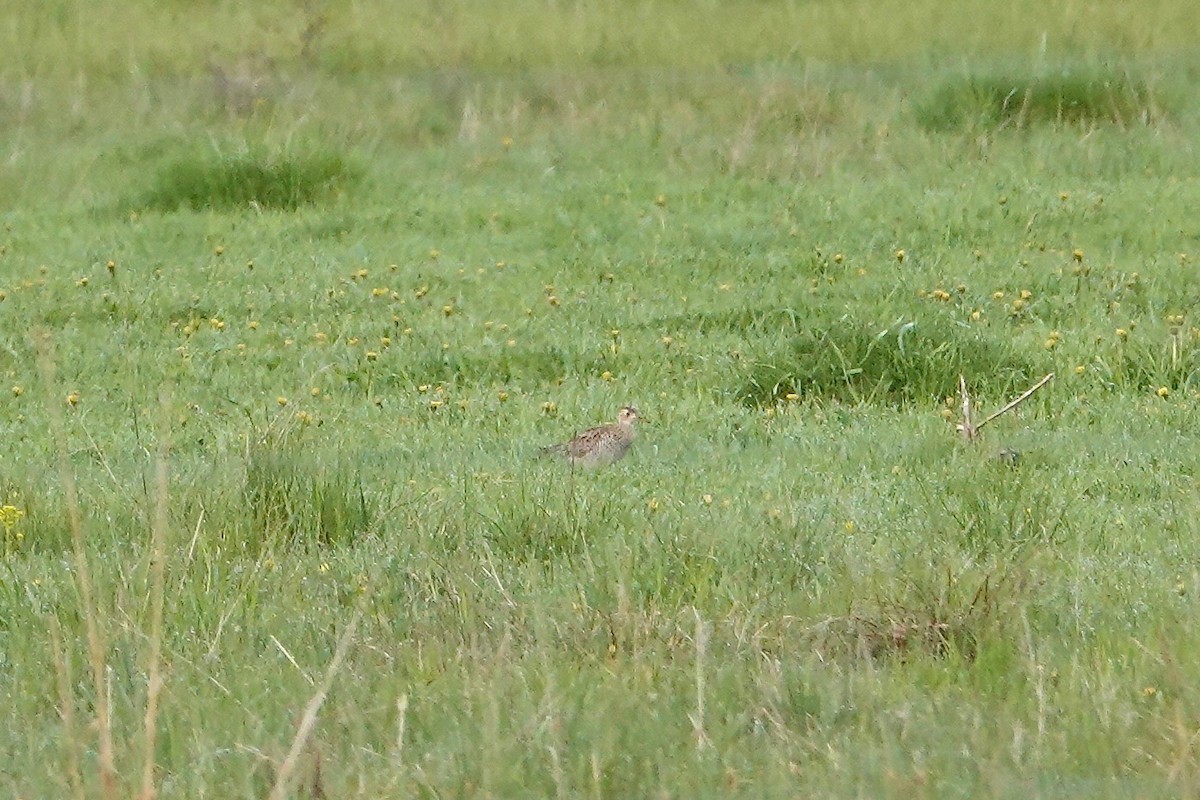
[{"x": 599, "y": 446}]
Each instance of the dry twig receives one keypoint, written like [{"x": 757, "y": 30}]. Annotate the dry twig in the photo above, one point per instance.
[{"x": 970, "y": 430}]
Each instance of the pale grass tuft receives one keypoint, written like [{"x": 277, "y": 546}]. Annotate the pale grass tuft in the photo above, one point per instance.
[
  {"x": 83, "y": 576},
  {"x": 309, "y": 720}
]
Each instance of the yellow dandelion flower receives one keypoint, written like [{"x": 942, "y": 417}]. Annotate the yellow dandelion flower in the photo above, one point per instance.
[
  {"x": 707, "y": 499},
  {"x": 111, "y": 266},
  {"x": 838, "y": 258},
  {"x": 1077, "y": 254},
  {"x": 73, "y": 399},
  {"x": 371, "y": 355},
  {"x": 1122, "y": 333},
  {"x": 82, "y": 281},
  {"x": 652, "y": 504},
  {"x": 216, "y": 324},
  {"x": 1026, "y": 294},
  {"x": 281, "y": 400},
  {"x": 434, "y": 253},
  {"x": 385, "y": 342},
  {"x": 359, "y": 274},
  {"x": 252, "y": 325},
  {"x": 1163, "y": 391},
  {"x": 550, "y": 408},
  {"x": 17, "y": 391},
  {"x": 997, "y": 295},
  {"x": 10, "y": 515},
  {"x": 500, "y": 265},
  {"x": 941, "y": 295},
  {"x": 503, "y": 396},
  {"x": 792, "y": 397},
  {"x": 315, "y": 391},
  {"x": 667, "y": 341},
  {"x": 380, "y": 291},
  {"x": 553, "y": 300},
  {"x": 900, "y": 255},
  {"x": 435, "y": 404},
  {"x": 324, "y": 567},
  {"x": 606, "y": 376},
  {"x": 1079, "y": 370},
  {"x": 447, "y": 310},
  {"x": 219, "y": 250}
]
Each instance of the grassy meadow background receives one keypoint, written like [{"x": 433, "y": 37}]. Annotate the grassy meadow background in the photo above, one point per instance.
[{"x": 293, "y": 292}]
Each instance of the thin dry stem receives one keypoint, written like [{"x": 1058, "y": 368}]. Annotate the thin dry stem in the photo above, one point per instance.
[
  {"x": 309, "y": 720},
  {"x": 702, "y": 633},
  {"x": 62, "y": 670},
  {"x": 1024, "y": 396},
  {"x": 158, "y": 554},
  {"x": 968, "y": 429},
  {"x": 105, "y": 758},
  {"x": 401, "y": 722}
]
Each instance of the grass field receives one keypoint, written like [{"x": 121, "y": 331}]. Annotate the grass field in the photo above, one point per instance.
[{"x": 292, "y": 296}]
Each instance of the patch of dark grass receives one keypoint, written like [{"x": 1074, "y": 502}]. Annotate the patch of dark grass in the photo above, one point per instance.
[
  {"x": 1078, "y": 97},
  {"x": 938, "y": 616},
  {"x": 293, "y": 502},
  {"x": 906, "y": 362},
  {"x": 224, "y": 181}
]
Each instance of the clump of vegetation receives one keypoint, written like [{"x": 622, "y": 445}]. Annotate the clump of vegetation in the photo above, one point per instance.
[
  {"x": 1080, "y": 97},
  {"x": 293, "y": 501},
  {"x": 940, "y": 616},
  {"x": 906, "y": 362},
  {"x": 222, "y": 181}
]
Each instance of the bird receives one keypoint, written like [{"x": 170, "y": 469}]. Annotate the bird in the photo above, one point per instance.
[{"x": 599, "y": 446}]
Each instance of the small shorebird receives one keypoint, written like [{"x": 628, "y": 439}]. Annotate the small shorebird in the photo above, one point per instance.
[{"x": 599, "y": 446}]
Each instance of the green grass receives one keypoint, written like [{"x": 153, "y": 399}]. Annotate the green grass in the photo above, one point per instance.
[
  {"x": 241, "y": 180},
  {"x": 376, "y": 272}
]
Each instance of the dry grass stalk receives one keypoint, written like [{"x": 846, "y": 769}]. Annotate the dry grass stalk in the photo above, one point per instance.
[
  {"x": 158, "y": 556},
  {"x": 83, "y": 576},
  {"x": 66, "y": 700},
  {"x": 970, "y": 430},
  {"x": 309, "y": 720}
]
